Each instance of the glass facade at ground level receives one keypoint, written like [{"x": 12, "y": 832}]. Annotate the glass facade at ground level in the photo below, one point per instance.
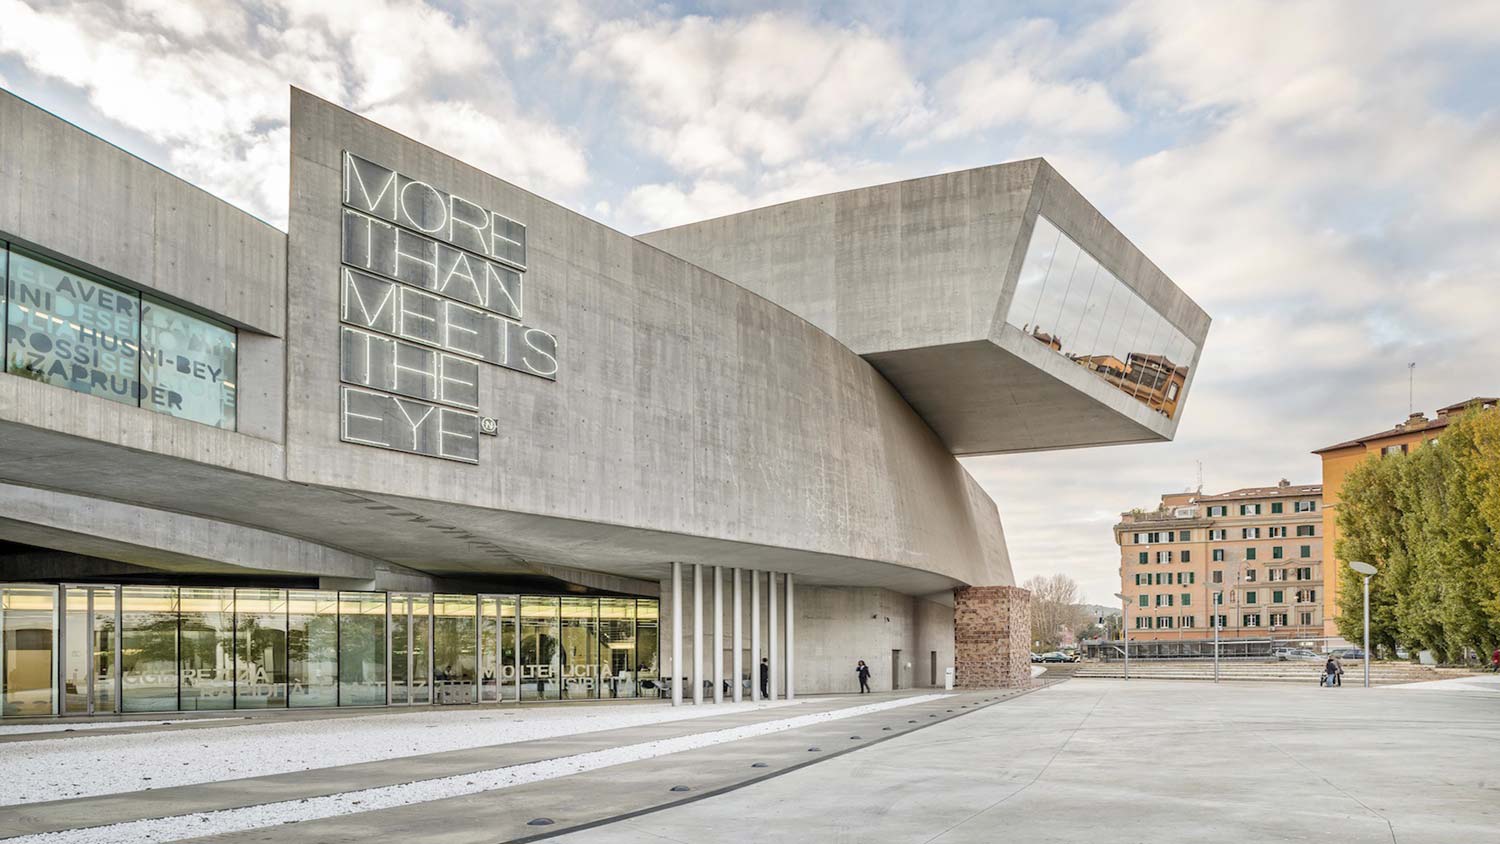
[
  {"x": 84, "y": 649},
  {"x": 1066, "y": 300}
]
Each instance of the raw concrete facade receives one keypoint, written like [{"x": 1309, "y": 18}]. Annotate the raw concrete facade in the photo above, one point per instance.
[{"x": 699, "y": 412}]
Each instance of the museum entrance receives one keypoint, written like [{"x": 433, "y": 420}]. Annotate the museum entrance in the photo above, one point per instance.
[
  {"x": 90, "y": 650},
  {"x": 453, "y": 649}
]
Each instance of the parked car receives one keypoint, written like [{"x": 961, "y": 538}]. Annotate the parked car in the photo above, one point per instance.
[
  {"x": 1057, "y": 656},
  {"x": 1347, "y": 653},
  {"x": 1036, "y": 657},
  {"x": 1286, "y": 654}
]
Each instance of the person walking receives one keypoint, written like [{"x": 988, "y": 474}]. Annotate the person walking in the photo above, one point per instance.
[
  {"x": 863, "y": 672},
  {"x": 1330, "y": 672},
  {"x": 1338, "y": 677},
  {"x": 765, "y": 679}
]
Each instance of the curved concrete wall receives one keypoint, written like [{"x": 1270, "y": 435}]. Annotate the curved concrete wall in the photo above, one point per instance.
[{"x": 687, "y": 409}]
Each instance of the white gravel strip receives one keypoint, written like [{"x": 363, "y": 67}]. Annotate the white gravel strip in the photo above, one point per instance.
[
  {"x": 22, "y": 729},
  {"x": 67, "y": 768},
  {"x": 179, "y": 827}
]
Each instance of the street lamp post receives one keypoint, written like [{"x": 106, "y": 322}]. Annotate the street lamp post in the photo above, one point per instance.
[
  {"x": 1214, "y": 609},
  {"x": 1368, "y": 571},
  {"x": 1125, "y": 629}
]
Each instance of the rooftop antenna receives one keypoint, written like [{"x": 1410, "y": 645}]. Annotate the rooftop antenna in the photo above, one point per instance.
[{"x": 1411, "y": 380}]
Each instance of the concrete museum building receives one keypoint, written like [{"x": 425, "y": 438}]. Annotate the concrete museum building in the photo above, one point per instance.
[{"x": 445, "y": 441}]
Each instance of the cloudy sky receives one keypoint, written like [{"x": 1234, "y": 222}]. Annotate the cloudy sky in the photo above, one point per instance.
[{"x": 1323, "y": 178}]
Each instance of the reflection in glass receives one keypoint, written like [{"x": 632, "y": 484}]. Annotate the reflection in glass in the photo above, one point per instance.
[
  {"x": 362, "y": 640},
  {"x": 421, "y": 649},
  {"x": 78, "y": 651},
  {"x": 72, "y": 331},
  {"x": 539, "y": 658},
  {"x": 187, "y": 365},
  {"x": 400, "y": 647},
  {"x": 455, "y": 660},
  {"x": 260, "y": 648},
  {"x": 27, "y": 625},
  {"x": 508, "y": 608},
  {"x": 104, "y": 649},
  {"x": 617, "y": 647},
  {"x": 647, "y": 673},
  {"x": 489, "y": 657},
  {"x": 206, "y": 649},
  {"x": 1066, "y": 300},
  {"x": 148, "y": 648},
  {"x": 580, "y": 647},
  {"x": 312, "y": 636}
]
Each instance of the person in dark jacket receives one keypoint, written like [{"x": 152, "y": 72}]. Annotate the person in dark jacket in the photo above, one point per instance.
[
  {"x": 1330, "y": 672},
  {"x": 864, "y": 676},
  {"x": 765, "y": 679}
]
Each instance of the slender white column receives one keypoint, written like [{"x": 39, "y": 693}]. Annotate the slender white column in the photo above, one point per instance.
[
  {"x": 676, "y": 675},
  {"x": 697, "y": 633},
  {"x": 754, "y": 634},
  {"x": 791, "y": 642},
  {"x": 718, "y": 651},
  {"x": 737, "y": 640},
  {"x": 772, "y": 641}
]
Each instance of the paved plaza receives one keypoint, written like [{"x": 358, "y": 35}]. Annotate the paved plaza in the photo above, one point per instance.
[{"x": 1079, "y": 760}]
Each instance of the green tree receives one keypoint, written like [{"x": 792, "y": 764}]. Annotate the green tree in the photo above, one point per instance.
[{"x": 1430, "y": 521}]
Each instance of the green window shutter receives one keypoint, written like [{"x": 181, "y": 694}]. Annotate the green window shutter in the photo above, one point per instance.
[
  {"x": 1306, "y": 551},
  {"x": 1144, "y": 601},
  {"x": 1187, "y": 556},
  {"x": 1187, "y": 599},
  {"x": 1276, "y": 552},
  {"x": 1143, "y": 557},
  {"x": 1249, "y": 553},
  {"x": 1276, "y": 597},
  {"x": 1275, "y": 506}
]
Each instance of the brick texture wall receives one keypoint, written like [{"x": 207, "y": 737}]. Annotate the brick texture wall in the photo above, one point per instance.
[{"x": 992, "y": 637}]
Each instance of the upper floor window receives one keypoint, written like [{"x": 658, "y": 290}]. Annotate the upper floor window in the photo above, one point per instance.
[
  {"x": 1304, "y": 530},
  {"x": 1218, "y": 534},
  {"x": 1250, "y": 533},
  {"x": 1393, "y": 449},
  {"x": 1275, "y": 507},
  {"x": 1249, "y": 509},
  {"x": 72, "y": 330},
  {"x": 1305, "y": 506},
  {"x": 1217, "y": 510}
]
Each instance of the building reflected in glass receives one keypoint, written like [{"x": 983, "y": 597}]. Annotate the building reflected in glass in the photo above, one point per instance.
[{"x": 1066, "y": 300}]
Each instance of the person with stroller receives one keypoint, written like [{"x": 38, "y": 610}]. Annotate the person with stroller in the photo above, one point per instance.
[{"x": 1330, "y": 673}]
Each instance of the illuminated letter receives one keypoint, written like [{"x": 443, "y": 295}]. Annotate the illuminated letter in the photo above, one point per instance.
[
  {"x": 468, "y": 233},
  {"x": 413, "y": 220},
  {"x": 545, "y": 345},
  {"x": 353, "y": 179}
]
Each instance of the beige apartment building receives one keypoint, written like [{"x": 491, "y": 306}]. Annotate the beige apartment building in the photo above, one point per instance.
[{"x": 1252, "y": 556}]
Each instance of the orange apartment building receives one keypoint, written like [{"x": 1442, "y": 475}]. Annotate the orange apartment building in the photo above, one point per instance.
[
  {"x": 1340, "y": 458},
  {"x": 1252, "y": 556}
]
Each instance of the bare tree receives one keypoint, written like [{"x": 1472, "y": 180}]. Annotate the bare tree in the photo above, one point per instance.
[{"x": 1055, "y": 608}]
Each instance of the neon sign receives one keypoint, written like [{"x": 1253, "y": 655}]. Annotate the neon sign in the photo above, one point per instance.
[{"x": 431, "y": 285}]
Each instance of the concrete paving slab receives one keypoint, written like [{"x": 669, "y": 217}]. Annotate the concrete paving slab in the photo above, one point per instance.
[{"x": 1160, "y": 761}]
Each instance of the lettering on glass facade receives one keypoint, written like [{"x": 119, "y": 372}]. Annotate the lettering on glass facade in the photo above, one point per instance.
[{"x": 432, "y": 285}]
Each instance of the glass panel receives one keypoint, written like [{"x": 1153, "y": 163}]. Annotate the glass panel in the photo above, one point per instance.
[
  {"x": 312, "y": 634},
  {"x": 362, "y": 641},
  {"x": 72, "y": 331},
  {"x": 539, "y": 659},
  {"x": 1080, "y": 287},
  {"x": 78, "y": 651},
  {"x": 489, "y": 626},
  {"x": 1033, "y": 275},
  {"x": 27, "y": 622},
  {"x": 508, "y": 647},
  {"x": 648, "y": 672},
  {"x": 148, "y": 648},
  {"x": 454, "y": 659},
  {"x": 206, "y": 652},
  {"x": 104, "y": 650},
  {"x": 187, "y": 365},
  {"x": 617, "y": 647},
  {"x": 400, "y": 649},
  {"x": 580, "y": 647},
  {"x": 4, "y": 274},
  {"x": 421, "y": 649},
  {"x": 1085, "y": 312},
  {"x": 260, "y": 656}
]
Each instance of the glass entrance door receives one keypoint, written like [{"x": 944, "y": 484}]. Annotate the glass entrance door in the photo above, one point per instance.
[
  {"x": 410, "y": 650},
  {"x": 497, "y": 648},
  {"x": 455, "y": 649},
  {"x": 89, "y": 649}
]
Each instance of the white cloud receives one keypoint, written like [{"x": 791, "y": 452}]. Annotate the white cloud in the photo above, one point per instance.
[
  {"x": 208, "y": 83},
  {"x": 716, "y": 97}
]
